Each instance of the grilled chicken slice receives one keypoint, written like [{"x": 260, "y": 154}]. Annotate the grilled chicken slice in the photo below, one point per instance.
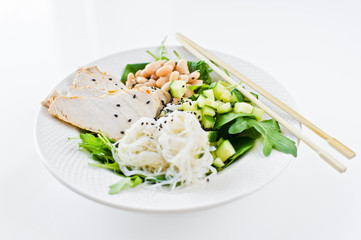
[
  {"x": 110, "y": 114},
  {"x": 89, "y": 92},
  {"x": 46, "y": 103},
  {"x": 93, "y": 77}
]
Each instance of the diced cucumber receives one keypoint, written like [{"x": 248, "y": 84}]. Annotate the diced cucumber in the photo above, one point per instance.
[
  {"x": 177, "y": 88},
  {"x": 237, "y": 96},
  {"x": 243, "y": 107},
  {"x": 226, "y": 84},
  {"x": 219, "y": 142},
  {"x": 201, "y": 100},
  {"x": 224, "y": 108},
  {"x": 218, "y": 163},
  {"x": 209, "y": 94},
  {"x": 189, "y": 106},
  {"x": 208, "y": 122},
  {"x": 211, "y": 103},
  {"x": 218, "y": 89},
  {"x": 258, "y": 113},
  {"x": 225, "y": 150},
  {"x": 208, "y": 111},
  {"x": 212, "y": 136},
  {"x": 214, "y": 155},
  {"x": 226, "y": 96}
]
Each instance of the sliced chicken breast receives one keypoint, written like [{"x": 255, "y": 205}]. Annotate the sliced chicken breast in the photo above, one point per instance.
[
  {"x": 110, "y": 114},
  {"x": 93, "y": 77},
  {"x": 89, "y": 92}
]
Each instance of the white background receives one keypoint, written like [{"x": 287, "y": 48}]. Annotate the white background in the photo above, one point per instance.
[{"x": 312, "y": 47}]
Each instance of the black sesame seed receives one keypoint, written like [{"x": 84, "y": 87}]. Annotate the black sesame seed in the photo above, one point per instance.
[
  {"x": 207, "y": 179},
  {"x": 118, "y": 105},
  {"x": 148, "y": 102},
  {"x": 134, "y": 96},
  {"x": 146, "y": 123},
  {"x": 165, "y": 121},
  {"x": 190, "y": 103},
  {"x": 110, "y": 79},
  {"x": 122, "y": 132},
  {"x": 152, "y": 124},
  {"x": 116, "y": 84},
  {"x": 115, "y": 115},
  {"x": 163, "y": 103},
  {"x": 93, "y": 80},
  {"x": 129, "y": 120},
  {"x": 193, "y": 77},
  {"x": 172, "y": 120},
  {"x": 142, "y": 123}
]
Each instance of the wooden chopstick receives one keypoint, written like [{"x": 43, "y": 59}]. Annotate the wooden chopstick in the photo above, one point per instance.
[
  {"x": 323, "y": 154},
  {"x": 347, "y": 152}
]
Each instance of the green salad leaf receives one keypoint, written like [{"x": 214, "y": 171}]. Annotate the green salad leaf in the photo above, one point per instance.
[
  {"x": 131, "y": 68},
  {"x": 203, "y": 69},
  {"x": 126, "y": 182},
  {"x": 270, "y": 131},
  {"x": 241, "y": 145},
  {"x": 223, "y": 119}
]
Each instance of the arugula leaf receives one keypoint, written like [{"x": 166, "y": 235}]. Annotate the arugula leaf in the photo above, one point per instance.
[
  {"x": 127, "y": 182},
  {"x": 203, "y": 69},
  {"x": 222, "y": 119},
  {"x": 241, "y": 145},
  {"x": 271, "y": 132},
  {"x": 131, "y": 68}
]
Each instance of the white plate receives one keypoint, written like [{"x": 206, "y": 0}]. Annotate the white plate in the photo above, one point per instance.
[{"x": 70, "y": 166}]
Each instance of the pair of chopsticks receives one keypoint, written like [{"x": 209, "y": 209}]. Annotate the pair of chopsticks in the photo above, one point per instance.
[{"x": 207, "y": 57}]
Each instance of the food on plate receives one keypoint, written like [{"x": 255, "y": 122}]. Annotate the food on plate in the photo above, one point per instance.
[{"x": 164, "y": 123}]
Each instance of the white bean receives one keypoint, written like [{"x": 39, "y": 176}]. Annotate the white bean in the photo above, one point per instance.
[
  {"x": 165, "y": 70},
  {"x": 151, "y": 68},
  {"x": 150, "y": 83},
  {"x": 162, "y": 80},
  {"x": 184, "y": 78},
  {"x": 145, "y": 74},
  {"x": 174, "y": 76},
  {"x": 137, "y": 74},
  {"x": 130, "y": 80},
  {"x": 170, "y": 63},
  {"x": 182, "y": 67},
  {"x": 197, "y": 82},
  {"x": 194, "y": 76},
  {"x": 165, "y": 87},
  {"x": 141, "y": 80}
]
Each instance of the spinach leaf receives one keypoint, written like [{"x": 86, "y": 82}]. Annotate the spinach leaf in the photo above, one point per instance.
[
  {"x": 127, "y": 182},
  {"x": 271, "y": 132},
  {"x": 203, "y": 69},
  {"x": 131, "y": 68},
  {"x": 241, "y": 145},
  {"x": 222, "y": 119}
]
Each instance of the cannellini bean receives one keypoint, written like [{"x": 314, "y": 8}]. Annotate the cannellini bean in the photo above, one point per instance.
[
  {"x": 188, "y": 92},
  {"x": 145, "y": 74},
  {"x": 150, "y": 83},
  {"x": 176, "y": 100},
  {"x": 194, "y": 76},
  {"x": 162, "y": 80},
  {"x": 184, "y": 78},
  {"x": 182, "y": 67},
  {"x": 151, "y": 68},
  {"x": 165, "y": 87},
  {"x": 141, "y": 80},
  {"x": 130, "y": 80},
  {"x": 197, "y": 82},
  {"x": 170, "y": 63},
  {"x": 137, "y": 74},
  {"x": 174, "y": 76},
  {"x": 155, "y": 77},
  {"x": 165, "y": 70}
]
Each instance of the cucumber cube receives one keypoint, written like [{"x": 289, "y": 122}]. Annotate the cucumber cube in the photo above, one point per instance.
[
  {"x": 211, "y": 103},
  {"x": 218, "y": 163},
  {"x": 208, "y": 122},
  {"x": 243, "y": 107},
  {"x": 189, "y": 106},
  {"x": 209, "y": 94},
  {"x": 225, "y": 150},
  {"x": 177, "y": 88},
  {"x": 258, "y": 113},
  {"x": 226, "y": 96},
  {"x": 208, "y": 111},
  {"x": 212, "y": 136},
  {"x": 224, "y": 108},
  {"x": 218, "y": 89},
  {"x": 201, "y": 100}
]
